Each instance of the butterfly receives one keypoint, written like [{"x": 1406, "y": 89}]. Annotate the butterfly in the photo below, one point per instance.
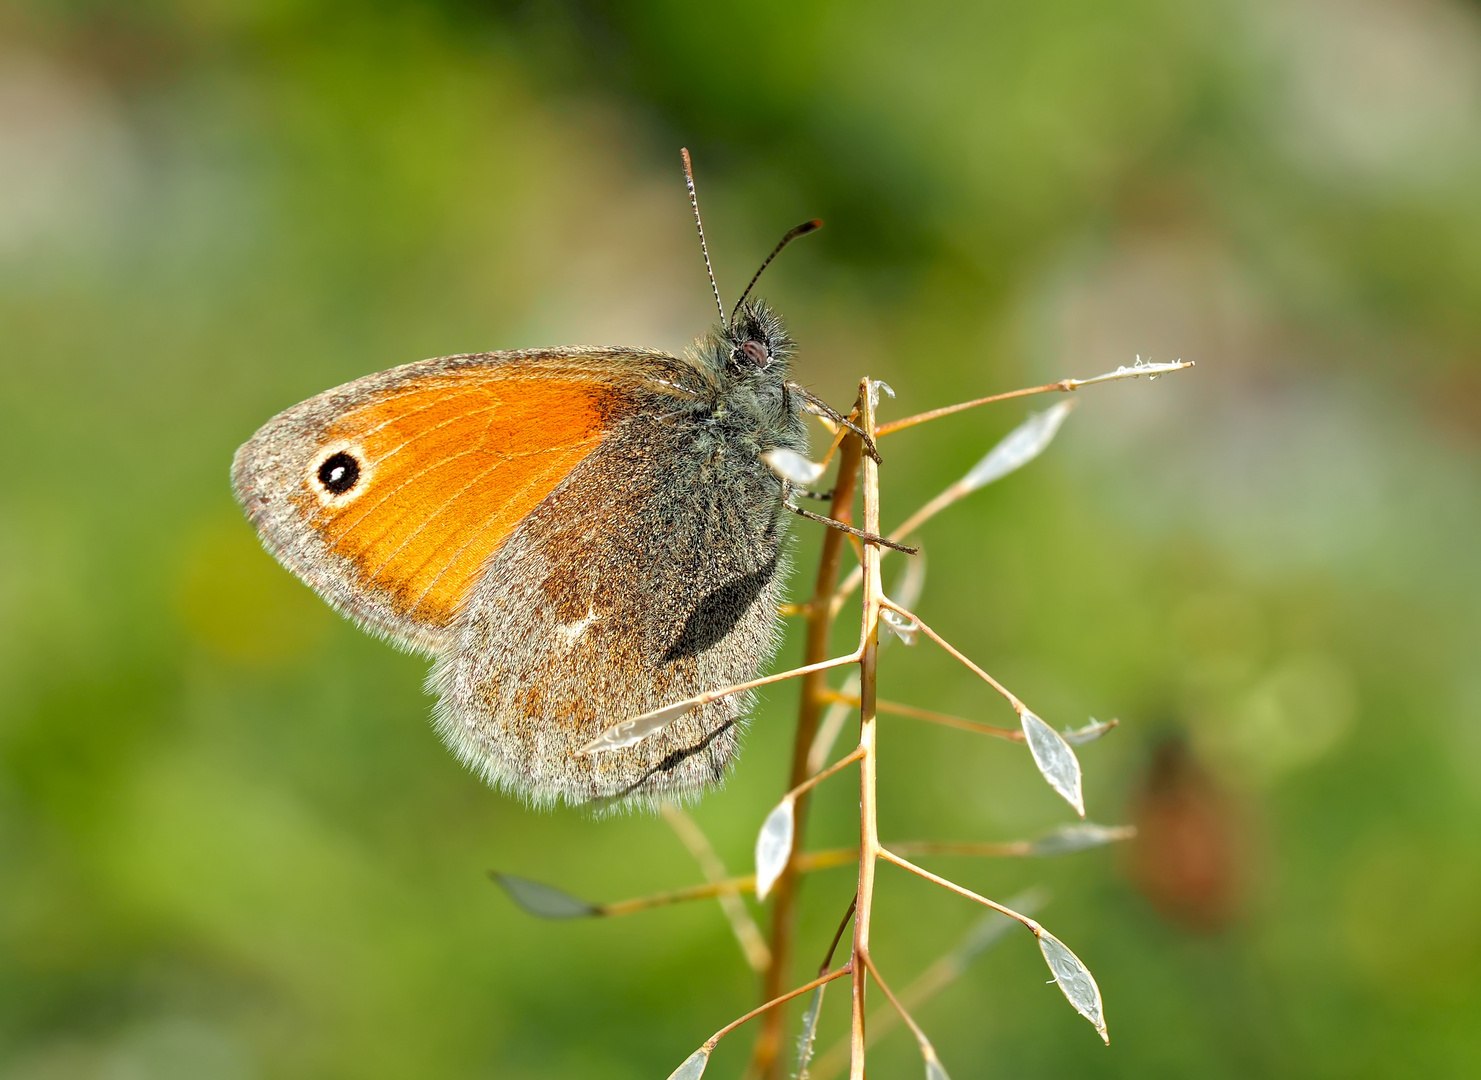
[{"x": 575, "y": 536}]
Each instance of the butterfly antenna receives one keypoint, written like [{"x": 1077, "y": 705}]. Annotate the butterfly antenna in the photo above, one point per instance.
[
  {"x": 703, "y": 247},
  {"x": 801, "y": 230}
]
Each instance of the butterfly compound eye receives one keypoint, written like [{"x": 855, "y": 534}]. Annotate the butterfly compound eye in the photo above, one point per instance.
[
  {"x": 339, "y": 473},
  {"x": 756, "y": 352}
]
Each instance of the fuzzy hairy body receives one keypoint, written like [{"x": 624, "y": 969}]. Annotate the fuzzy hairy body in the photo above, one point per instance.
[
  {"x": 612, "y": 600},
  {"x": 649, "y": 572}
]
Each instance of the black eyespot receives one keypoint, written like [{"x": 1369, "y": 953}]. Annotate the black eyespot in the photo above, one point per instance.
[{"x": 339, "y": 473}]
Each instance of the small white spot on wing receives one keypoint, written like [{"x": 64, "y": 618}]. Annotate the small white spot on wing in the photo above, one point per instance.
[{"x": 567, "y": 633}]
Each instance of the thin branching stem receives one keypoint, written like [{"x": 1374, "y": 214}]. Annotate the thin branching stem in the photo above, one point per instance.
[
  {"x": 1062, "y": 386},
  {"x": 915, "y": 1029},
  {"x": 838, "y": 934},
  {"x": 993, "y": 849},
  {"x": 808, "y": 862},
  {"x": 803, "y": 863},
  {"x": 895, "y": 708},
  {"x": 767, "y": 680},
  {"x": 954, "y": 494},
  {"x": 868, "y": 742},
  {"x": 906, "y": 864},
  {"x": 747, "y": 933},
  {"x": 839, "y": 434},
  {"x": 708, "y": 891},
  {"x": 813, "y": 781},
  {"x": 820, "y": 611},
  {"x": 941, "y": 974},
  {"x": 1018, "y": 706},
  {"x": 635, "y": 729},
  {"x": 714, "y": 1039},
  {"x": 766, "y": 1058},
  {"x": 961, "y": 489}
]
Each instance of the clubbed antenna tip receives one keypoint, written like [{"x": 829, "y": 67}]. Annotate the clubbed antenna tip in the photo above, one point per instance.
[{"x": 801, "y": 230}]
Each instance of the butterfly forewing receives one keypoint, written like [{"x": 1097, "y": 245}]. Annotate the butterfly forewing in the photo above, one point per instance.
[
  {"x": 389, "y": 494},
  {"x": 452, "y": 471}
]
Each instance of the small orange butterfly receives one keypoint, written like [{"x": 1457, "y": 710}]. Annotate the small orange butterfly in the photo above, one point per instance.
[{"x": 576, "y": 535}]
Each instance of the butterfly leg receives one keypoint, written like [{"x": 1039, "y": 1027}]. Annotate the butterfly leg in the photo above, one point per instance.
[
  {"x": 825, "y": 496},
  {"x": 821, "y": 408},
  {"x": 872, "y": 538}
]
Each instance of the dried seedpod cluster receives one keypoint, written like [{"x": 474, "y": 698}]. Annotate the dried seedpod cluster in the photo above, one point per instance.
[{"x": 823, "y": 712}]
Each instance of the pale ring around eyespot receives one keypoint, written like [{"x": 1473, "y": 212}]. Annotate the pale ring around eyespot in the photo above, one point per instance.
[{"x": 340, "y": 463}]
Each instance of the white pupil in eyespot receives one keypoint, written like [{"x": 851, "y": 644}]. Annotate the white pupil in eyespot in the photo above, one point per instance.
[{"x": 339, "y": 473}]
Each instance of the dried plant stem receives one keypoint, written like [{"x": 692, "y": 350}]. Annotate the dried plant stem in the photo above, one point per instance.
[
  {"x": 809, "y": 861},
  {"x": 824, "y": 606},
  {"x": 954, "y": 494},
  {"x": 868, "y": 742},
  {"x": 708, "y": 891},
  {"x": 915, "y": 1029},
  {"x": 713, "y": 1040},
  {"x": 906, "y": 864},
  {"x": 895, "y": 708},
  {"x": 766, "y": 680},
  {"x": 817, "y": 778},
  {"x": 634, "y": 730},
  {"x": 994, "y": 849},
  {"x": 752, "y": 943},
  {"x": 1018, "y": 706},
  {"x": 961, "y": 489},
  {"x": 941, "y": 974},
  {"x": 806, "y": 862},
  {"x": 838, "y": 934},
  {"x": 766, "y": 1059},
  {"x": 1063, "y": 385}
]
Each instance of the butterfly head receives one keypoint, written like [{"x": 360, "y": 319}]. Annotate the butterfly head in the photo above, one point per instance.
[{"x": 756, "y": 342}]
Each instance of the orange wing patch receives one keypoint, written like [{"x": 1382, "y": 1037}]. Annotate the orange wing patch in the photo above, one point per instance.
[{"x": 452, "y": 463}]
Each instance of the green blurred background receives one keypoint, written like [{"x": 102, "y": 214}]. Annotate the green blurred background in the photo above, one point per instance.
[{"x": 230, "y": 843}]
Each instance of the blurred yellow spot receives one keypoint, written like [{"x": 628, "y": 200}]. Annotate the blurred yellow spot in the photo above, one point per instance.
[
  {"x": 239, "y": 604},
  {"x": 1293, "y": 715}
]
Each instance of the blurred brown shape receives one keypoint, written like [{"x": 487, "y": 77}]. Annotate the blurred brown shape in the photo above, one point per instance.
[{"x": 1186, "y": 859}]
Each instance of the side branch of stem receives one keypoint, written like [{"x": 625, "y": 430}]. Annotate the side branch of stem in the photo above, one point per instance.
[
  {"x": 1018, "y": 706},
  {"x": 780, "y": 999},
  {"x": 906, "y": 864}
]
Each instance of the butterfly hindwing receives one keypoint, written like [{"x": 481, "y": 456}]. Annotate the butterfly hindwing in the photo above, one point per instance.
[{"x": 653, "y": 574}]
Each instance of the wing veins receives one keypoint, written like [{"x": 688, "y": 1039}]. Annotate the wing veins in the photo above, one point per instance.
[
  {"x": 442, "y": 507},
  {"x": 421, "y": 409},
  {"x": 481, "y": 530},
  {"x": 503, "y": 460},
  {"x": 392, "y": 492}
]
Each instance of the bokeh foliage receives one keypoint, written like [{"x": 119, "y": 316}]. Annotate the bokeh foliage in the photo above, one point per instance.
[{"x": 230, "y": 844}]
